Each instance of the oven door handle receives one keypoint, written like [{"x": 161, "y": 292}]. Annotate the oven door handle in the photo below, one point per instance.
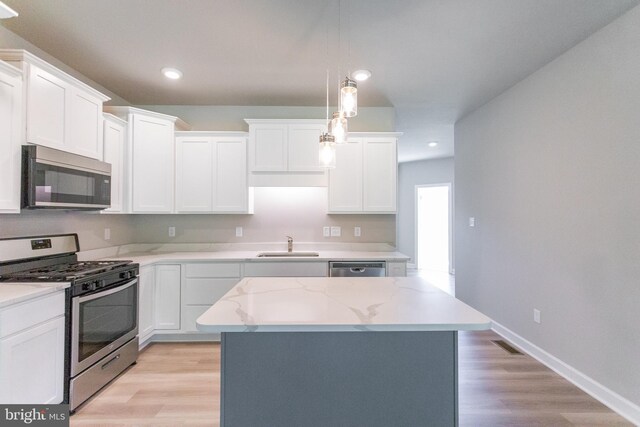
[{"x": 109, "y": 292}]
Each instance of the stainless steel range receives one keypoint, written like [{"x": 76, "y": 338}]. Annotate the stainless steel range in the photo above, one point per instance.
[{"x": 102, "y": 307}]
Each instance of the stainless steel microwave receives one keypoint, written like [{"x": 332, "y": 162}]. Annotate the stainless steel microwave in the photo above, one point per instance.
[{"x": 54, "y": 179}]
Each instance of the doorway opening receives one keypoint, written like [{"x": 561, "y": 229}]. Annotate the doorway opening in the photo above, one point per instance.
[{"x": 434, "y": 230}]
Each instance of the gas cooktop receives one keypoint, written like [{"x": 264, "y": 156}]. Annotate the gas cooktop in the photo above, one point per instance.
[{"x": 63, "y": 272}]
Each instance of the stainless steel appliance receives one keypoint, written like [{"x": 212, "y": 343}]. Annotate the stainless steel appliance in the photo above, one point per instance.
[
  {"x": 54, "y": 179},
  {"x": 102, "y": 307},
  {"x": 357, "y": 269}
]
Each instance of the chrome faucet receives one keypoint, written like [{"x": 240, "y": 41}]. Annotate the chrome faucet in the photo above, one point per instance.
[{"x": 289, "y": 243}]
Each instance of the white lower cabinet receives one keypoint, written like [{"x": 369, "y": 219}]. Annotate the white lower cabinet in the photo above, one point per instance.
[
  {"x": 167, "y": 297},
  {"x": 202, "y": 285},
  {"x": 32, "y": 341},
  {"x": 397, "y": 269},
  {"x": 146, "y": 302}
]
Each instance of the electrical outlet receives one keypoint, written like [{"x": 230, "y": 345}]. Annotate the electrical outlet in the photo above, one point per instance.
[
  {"x": 336, "y": 231},
  {"x": 172, "y": 232},
  {"x": 326, "y": 231},
  {"x": 472, "y": 221},
  {"x": 107, "y": 234},
  {"x": 357, "y": 232},
  {"x": 536, "y": 315},
  {"x": 238, "y": 231}
]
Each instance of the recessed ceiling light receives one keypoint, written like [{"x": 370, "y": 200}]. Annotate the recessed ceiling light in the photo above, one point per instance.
[
  {"x": 172, "y": 73},
  {"x": 361, "y": 75},
  {"x": 6, "y": 11},
  {"x": 433, "y": 144}
]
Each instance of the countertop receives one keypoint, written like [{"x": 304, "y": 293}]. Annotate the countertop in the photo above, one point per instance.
[
  {"x": 319, "y": 304},
  {"x": 146, "y": 258},
  {"x": 12, "y": 293}
]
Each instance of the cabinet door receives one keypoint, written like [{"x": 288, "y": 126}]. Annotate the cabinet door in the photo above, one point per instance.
[
  {"x": 194, "y": 174},
  {"x": 10, "y": 139},
  {"x": 32, "y": 365},
  {"x": 167, "y": 297},
  {"x": 146, "y": 302},
  {"x": 345, "y": 181},
  {"x": 114, "y": 138},
  {"x": 85, "y": 125},
  {"x": 153, "y": 164},
  {"x": 268, "y": 144},
  {"x": 230, "y": 192},
  {"x": 47, "y": 108},
  {"x": 303, "y": 147},
  {"x": 380, "y": 175}
]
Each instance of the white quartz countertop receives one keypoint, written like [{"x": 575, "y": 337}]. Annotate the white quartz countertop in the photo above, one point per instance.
[
  {"x": 319, "y": 304},
  {"x": 146, "y": 258},
  {"x": 13, "y": 293}
]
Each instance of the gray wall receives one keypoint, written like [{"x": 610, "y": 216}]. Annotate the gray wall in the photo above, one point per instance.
[
  {"x": 550, "y": 169},
  {"x": 411, "y": 174}
]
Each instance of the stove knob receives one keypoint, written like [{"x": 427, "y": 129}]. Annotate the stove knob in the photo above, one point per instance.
[
  {"x": 125, "y": 275},
  {"x": 89, "y": 287}
]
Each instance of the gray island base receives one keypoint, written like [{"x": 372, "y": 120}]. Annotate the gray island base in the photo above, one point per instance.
[
  {"x": 320, "y": 379},
  {"x": 307, "y": 352}
]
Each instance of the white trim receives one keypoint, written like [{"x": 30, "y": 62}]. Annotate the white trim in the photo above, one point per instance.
[
  {"x": 606, "y": 396},
  {"x": 415, "y": 221},
  {"x": 21, "y": 55},
  {"x": 214, "y": 133},
  {"x": 7, "y": 12}
]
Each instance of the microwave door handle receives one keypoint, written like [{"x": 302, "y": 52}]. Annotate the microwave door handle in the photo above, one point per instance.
[{"x": 109, "y": 292}]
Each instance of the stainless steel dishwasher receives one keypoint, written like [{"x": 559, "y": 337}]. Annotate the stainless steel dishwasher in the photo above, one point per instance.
[{"x": 357, "y": 269}]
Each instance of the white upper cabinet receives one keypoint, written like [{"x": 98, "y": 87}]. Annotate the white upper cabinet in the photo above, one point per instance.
[
  {"x": 115, "y": 135},
  {"x": 303, "y": 147},
  {"x": 61, "y": 112},
  {"x": 380, "y": 175},
  {"x": 149, "y": 169},
  {"x": 211, "y": 172},
  {"x": 10, "y": 137},
  {"x": 284, "y": 145},
  {"x": 366, "y": 174}
]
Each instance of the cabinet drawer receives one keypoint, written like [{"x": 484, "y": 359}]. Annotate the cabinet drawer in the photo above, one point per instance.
[
  {"x": 29, "y": 313},
  {"x": 212, "y": 270},
  {"x": 286, "y": 269},
  {"x": 206, "y": 290}
]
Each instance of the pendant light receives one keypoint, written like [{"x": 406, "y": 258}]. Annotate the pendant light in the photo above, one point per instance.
[
  {"x": 327, "y": 153},
  {"x": 349, "y": 97},
  {"x": 338, "y": 127}
]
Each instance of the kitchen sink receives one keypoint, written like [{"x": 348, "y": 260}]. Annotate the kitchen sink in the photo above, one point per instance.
[{"x": 287, "y": 254}]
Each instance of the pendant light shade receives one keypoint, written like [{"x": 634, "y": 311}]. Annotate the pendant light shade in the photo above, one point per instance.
[
  {"x": 327, "y": 153},
  {"x": 349, "y": 97},
  {"x": 338, "y": 127}
]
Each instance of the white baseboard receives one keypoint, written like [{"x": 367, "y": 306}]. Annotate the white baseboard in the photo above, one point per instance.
[{"x": 608, "y": 397}]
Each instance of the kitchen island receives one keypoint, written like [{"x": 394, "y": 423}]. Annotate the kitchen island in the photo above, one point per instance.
[{"x": 339, "y": 351}]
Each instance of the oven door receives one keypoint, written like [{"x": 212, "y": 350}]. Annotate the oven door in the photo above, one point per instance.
[{"x": 102, "y": 322}]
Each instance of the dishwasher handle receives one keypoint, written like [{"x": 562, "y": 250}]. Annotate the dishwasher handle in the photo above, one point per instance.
[{"x": 357, "y": 269}]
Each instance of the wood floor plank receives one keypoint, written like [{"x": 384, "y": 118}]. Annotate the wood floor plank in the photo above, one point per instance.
[{"x": 178, "y": 384}]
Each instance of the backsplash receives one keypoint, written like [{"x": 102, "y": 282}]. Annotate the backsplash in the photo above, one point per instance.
[
  {"x": 284, "y": 211},
  {"x": 298, "y": 212}
]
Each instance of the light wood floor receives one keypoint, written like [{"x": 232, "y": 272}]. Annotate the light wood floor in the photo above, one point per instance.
[{"x": 178, "y": 384}]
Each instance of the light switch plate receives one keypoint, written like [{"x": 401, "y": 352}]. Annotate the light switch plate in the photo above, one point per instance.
[
  {"x": 472, "y": 221},
  {"x": 336, "y": 231},
  {"x": 326, "y": 231},
  {"x": 107, "y": 234},
  {"x": 536, "y": 315},
  {"x": 172, "y": 232},
  {"x": 238, "y": 231},
  {"x": 357, "y": 232}
]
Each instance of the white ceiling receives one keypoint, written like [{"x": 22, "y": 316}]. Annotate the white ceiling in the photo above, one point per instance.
[{"x": 432, "y": 60}]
